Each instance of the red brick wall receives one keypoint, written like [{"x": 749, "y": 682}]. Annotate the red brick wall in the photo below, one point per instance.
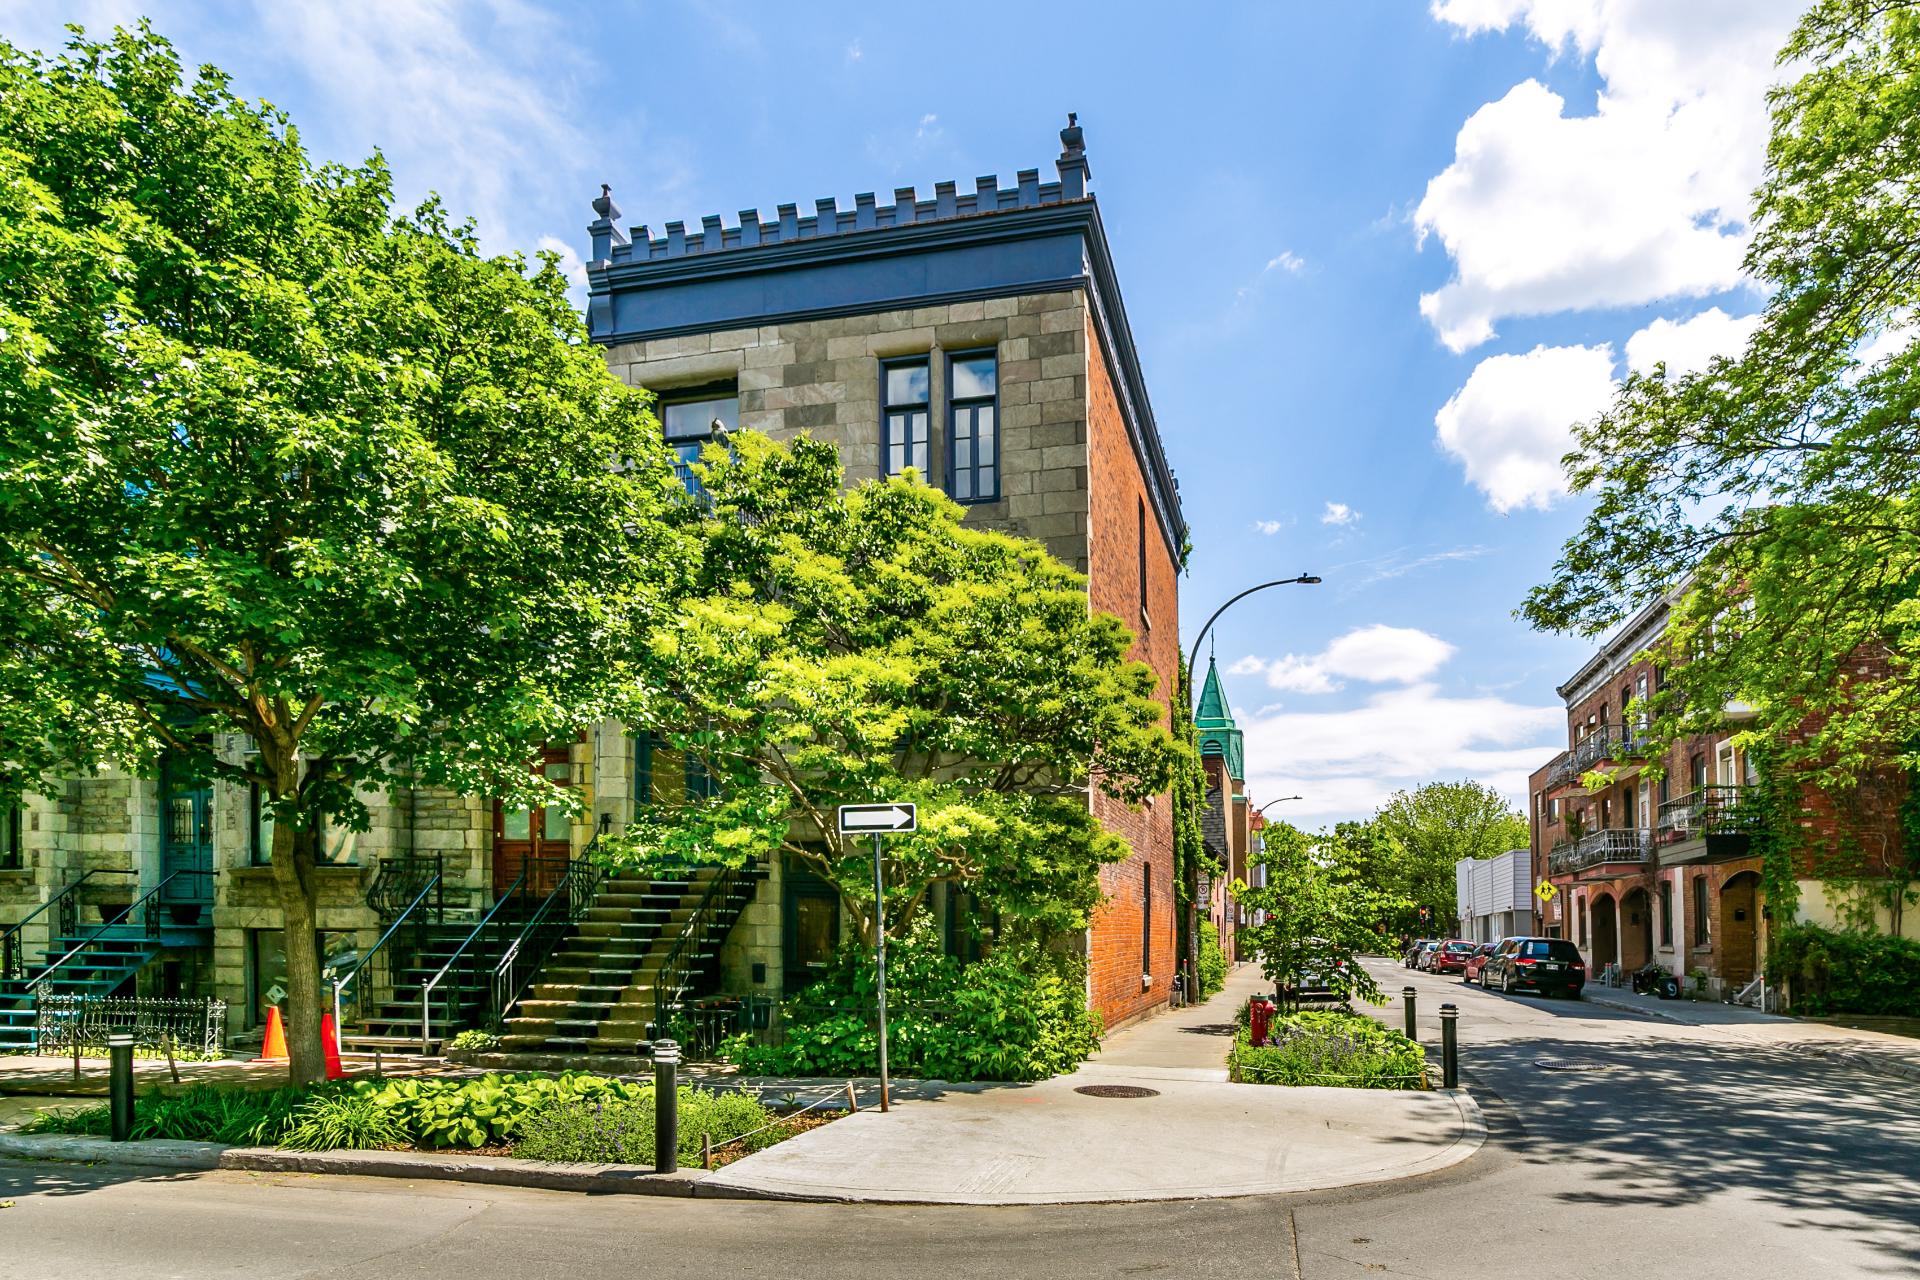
[{"x": 1116, "y": 489}]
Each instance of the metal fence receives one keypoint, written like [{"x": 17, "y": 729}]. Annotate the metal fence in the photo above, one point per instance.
[{"x": 197, "y": 1027}]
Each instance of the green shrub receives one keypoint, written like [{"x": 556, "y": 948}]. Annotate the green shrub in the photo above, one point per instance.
[
  {"x": 351, "y": 1121},
  {"x": 476, "y": 1041},
  {"x": 1213, "y": 960},
  {"x": 1019, "y": 1013},
  {"x": 1848, "y": 971},
  {"x": 1330, "y": 1048},
  {"x": 484, "y": 1111},
  {"x": 620, "y": 1130},
  {"x": 198, "y": 1113}
]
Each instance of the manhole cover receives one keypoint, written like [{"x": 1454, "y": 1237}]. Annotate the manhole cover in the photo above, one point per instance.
[
  {"x": 1117, "y": 1091},
  {"x": 1560, "y": 1064}
]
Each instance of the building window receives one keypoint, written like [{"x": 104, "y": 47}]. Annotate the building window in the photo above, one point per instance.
[
  {"x": 267, "y": 967},
  {"x": 1146, "y": 918},
  {"x": 687, "y": 416},
  {"x": 1666, "y": 913},
  {"x": 1583, "y": 922},
  {"x": 1699, "y": 773},
  {"x": 1700, "y": 936},
  {"x": 12, "y": 855},
  {"x": 812, "y": 911},
  {"x": 337, "y": 844},
  {"x": 665, "y": 775},
  {"x": 1140, "y": 551},
  {"x": 905, "y": 396},
  {"x": 973, "y": 433}
]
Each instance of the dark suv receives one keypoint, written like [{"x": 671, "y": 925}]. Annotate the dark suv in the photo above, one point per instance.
[{"x": 1546, "y": 965}]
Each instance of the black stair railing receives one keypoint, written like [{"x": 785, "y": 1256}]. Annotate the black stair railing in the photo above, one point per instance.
[
  {"x": 138, "y": 918},
  {"x": 563, "y": 907},
  {"x": 395, "y": 890},
  {"x": 377, "y": 962},
  {"x": 66, "y": 921},
  {"x": 726, "y": 893},
  {"x": 461, "y": 976}
]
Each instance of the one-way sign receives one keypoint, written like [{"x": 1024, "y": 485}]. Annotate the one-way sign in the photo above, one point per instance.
[{"x": 869, "y": 819}]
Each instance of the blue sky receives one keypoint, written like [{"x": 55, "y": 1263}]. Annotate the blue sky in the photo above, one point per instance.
[{"x": 1376, "y": 257}]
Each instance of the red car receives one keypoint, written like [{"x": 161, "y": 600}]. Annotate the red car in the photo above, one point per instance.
[
  {"x": 1451, "y": 956},
  {"x": 1478, "y": 961}
]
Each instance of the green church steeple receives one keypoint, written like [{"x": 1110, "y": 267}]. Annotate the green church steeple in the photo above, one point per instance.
[{"x": 1219, "y": 735}]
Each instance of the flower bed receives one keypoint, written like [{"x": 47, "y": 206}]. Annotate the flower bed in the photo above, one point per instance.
[
  {"x": 1329, "y": 1048},
  {"x": 573, "y": 1117}
]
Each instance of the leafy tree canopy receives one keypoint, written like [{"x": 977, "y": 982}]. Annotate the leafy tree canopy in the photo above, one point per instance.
[
  {"x": 1309, "y": 918},
  {"x": 838, "y": 647},
  {"x": 276, "y": 460},
  {"x": 1776, "y": 494}
]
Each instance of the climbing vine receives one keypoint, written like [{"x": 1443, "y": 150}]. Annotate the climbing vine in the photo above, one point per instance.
[{"x": 1189, "y": 795}]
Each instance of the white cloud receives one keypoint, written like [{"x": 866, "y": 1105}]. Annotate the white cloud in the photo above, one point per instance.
[
  {"x": 1378, "y": 654},
  {"x": 1397, "y": 564},
  {"x": 1338, "y": 513},
  {"x": 1688, "y": 346},
  {"x": 1269, "y": 527},
  {"x": 1286, "y": 260},
  {"x": 1510, "y": 424},
  {"x": 855, "y": 52},
  {"x": 1346, "y": 763},
  {"x": 1644, "y": 198}
]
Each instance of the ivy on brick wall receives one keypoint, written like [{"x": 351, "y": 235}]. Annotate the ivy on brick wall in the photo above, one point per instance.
[{"x": 1189, "y": 795}]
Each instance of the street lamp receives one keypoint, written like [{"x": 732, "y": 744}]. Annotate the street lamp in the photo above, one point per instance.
[
  {"x": 1269, "y": 804},
  {"x": 1193, "y": 656}
]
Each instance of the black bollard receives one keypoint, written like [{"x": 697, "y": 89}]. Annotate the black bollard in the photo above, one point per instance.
[
  {"x": 666, "y": 1107},
  {"x": 120, "y": 1084},
  {"x": 1449, "y": 1047},
  {"x": 1406, "y": 1000}
]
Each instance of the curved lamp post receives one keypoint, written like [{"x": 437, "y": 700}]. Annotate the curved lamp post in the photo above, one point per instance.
[
  {"x": 1193, "y": 656},
  {"x": 1269, "y": 804}
]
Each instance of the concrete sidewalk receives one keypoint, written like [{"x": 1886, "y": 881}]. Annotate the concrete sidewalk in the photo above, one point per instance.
[
  {"x": 1195, "y": 1136},
  {"x": 1876, "y": 1051}
]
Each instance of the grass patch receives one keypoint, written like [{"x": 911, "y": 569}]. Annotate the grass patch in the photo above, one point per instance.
[
  {"x": 621, "y": 1131},
  {"x": 1332, "y": 1049}
]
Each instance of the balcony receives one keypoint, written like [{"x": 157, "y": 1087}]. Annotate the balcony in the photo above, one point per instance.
[
  {"x": 1607, "y": 743},
  {"x": 1706, "y": 824},
  {"x": 1630, "y": 845},
  {"x": 1560, "y": 773}
]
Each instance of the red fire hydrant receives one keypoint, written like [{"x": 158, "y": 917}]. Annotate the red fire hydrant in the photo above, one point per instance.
[{"x": 1260, "y": 1018}]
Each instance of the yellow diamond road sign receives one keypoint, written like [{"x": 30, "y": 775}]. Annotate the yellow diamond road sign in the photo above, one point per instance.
[{"x": 1545, "y": 891}]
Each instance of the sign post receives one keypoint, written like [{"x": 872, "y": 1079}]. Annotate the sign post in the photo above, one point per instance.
[{"x": 877, "y": 820}]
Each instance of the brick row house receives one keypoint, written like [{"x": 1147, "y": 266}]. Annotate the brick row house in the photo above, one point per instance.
[
  {"x": 979, "y": 337},
  {"x": 1665, "y": 870}
]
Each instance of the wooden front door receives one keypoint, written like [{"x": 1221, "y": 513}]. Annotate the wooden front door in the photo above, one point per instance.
[
  {"x": 1739, "y": 929},
  {"x": 542, "y": 836}
]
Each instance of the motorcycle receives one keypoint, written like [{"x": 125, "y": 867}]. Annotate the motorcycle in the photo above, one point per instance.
[{"x": 1655, "y": 980}]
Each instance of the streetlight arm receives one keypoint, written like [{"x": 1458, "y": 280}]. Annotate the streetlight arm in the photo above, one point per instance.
[{"x": 1194, "y": 655}]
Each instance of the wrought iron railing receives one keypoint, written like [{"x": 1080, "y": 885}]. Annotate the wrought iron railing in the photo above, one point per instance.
[
  {"x": 467, "y": 973},
  {"x": 135, "y": 921},
  {"x": 563, "y": 907},
  {"x": 688, "y": 956},
  {"x": 1606, "y": 742},
  {"x": 396, "y": 886},
  {"x": 1715, "y": 808},
  {"x": 67, "y": 1023},
  {"x": 65, "y": 906},
  {"x": 376, "y": 968},
  {"x": 1618, "y": 844},
  {"x": 1561, "y": 771}
]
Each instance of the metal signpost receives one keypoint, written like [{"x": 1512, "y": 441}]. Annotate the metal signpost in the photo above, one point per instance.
[{"x": 876, "y": 820}]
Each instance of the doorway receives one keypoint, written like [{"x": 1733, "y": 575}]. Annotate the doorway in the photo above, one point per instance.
[
  {"x": 1606, "y": 932},
  {"x": 1636, "y": 930},
  {"x": 1739, "y": 929},
  {"x": 186, "y": 840},
  {"x": 536, "y": 840}
]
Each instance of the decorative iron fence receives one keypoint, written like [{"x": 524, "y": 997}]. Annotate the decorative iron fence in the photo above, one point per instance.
[{"x": 196, "y": 1027}]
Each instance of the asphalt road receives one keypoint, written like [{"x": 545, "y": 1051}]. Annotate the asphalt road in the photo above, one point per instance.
[{"x": 1642, "y": 1150}]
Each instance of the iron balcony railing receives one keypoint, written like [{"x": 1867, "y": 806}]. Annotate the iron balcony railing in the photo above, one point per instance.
[
  {"x": 1713, "y": 809},
  {"x": 1606, "y": 742},
  {"x": 1560, "y": 773},
  {"x": 1620, "y": 844}
]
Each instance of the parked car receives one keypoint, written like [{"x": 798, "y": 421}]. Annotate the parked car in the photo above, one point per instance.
[
  {"x": 1425, "y": 959},
  {"x": 1412, "y": 954},
  {"x": 1314, "y": 983},
  {"x": 1451, "y": 956},
  {"x": 1546, "y": 965},
  {"x": 1477, "y": 961}
]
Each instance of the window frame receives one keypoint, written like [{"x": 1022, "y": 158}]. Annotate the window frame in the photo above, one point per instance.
[
  {"x": 696, "y": 782},
  {"x": 1665, "y": 900},
  {"x": 1146, "y": 919},
  {"x": 665, "y": 398},
  {"x": 13, "y": 853},
  {"x": 888, "y": 408},
  {"x": 954, "y": 404},
  {"x": 1702, "y": 904}
]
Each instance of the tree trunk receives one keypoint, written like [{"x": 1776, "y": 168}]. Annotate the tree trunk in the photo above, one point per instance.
[{"x": 293, "y": 861}]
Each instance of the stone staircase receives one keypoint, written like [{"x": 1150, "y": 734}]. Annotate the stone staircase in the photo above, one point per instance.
[
  {"x": 114, "y": 955},
  {"x": 393, "y": 1024},
  {"x": 595, "y": 994}
]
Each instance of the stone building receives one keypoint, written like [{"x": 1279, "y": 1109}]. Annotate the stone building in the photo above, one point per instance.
[{"x": 1664, "y": 869}]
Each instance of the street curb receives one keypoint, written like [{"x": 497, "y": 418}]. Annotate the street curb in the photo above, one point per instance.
[
  {"x": 158, "y": 1153},
  {"x": 505, "y": 1171},
  {"x": 1868, "y": 1062}
]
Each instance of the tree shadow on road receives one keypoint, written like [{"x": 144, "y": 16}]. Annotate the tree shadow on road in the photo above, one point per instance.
[{"x": 20, "y": 1179}]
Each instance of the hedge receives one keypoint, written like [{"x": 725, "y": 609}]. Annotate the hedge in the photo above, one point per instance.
[{"x": 1848, "y": 971}]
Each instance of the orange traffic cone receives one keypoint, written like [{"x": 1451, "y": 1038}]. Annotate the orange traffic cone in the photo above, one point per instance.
[
  {"x": 274, "y": 1048},
  {"x": 330, "y": 1042}
]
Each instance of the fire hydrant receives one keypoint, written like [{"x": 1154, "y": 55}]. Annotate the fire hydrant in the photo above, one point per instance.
[{"x": 1260, "y": 1017}]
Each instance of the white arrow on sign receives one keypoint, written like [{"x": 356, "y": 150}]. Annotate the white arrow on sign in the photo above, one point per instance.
[{"x": 857, "y": 819}]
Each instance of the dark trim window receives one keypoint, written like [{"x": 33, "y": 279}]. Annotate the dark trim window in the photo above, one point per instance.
[
  {"x": 1140, "y": 553},
  {"x": 1666, "y": 913},
  {"x": 973, "y": 426},
  {"x": 259, "y": 828},
  {"x": 1700, "y": 935},
  {"x": 906, "y": 399},
  {"x": 665, "y": 775},
  {"x": 687, "y": 415},
  {"x": 1146, "y": 918},
  {"x": 12, "y": 854}
]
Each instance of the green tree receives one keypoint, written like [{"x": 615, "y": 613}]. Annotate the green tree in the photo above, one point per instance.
[
  {"x": 1424, "y": 832},
  {"x": 1307, "y": 919},
  {"x": 1775, "y": 495},
  {"x": 277, "y": 461},
  {"x": 837, "y": 647}
]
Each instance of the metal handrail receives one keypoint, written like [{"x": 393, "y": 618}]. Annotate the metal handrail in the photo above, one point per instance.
[
  {"x": 341, "y": 983},
  {"x": 10, "y": 964},
  {"x": 672, "y": 981},
  {"x": 122, "y": 918},
  {"x": 581, "y": 873},
  {"x": 428, "y": 987},
  {"x": 1713, "y": 807}
]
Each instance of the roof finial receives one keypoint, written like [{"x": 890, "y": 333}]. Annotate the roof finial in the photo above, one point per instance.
[
  {"x": 604, "y": 205},
  {"x": 1072, "y": 164}
]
